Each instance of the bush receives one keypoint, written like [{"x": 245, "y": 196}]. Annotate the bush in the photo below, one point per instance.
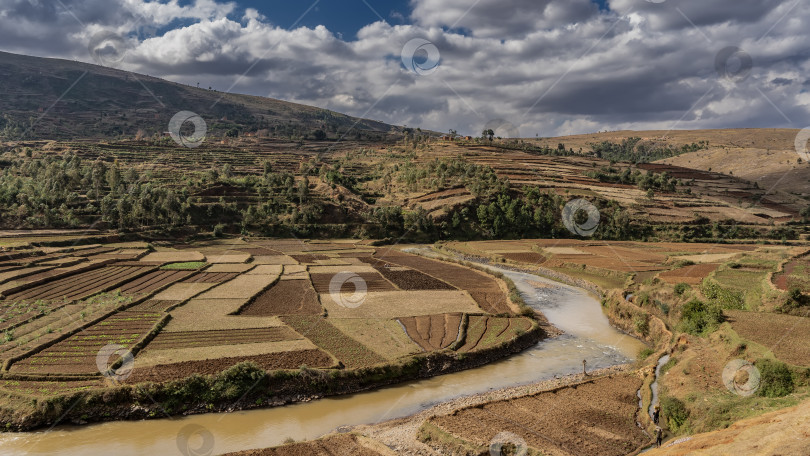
[
  {"x": 776, "y": 380},
  {"x": 218, "y": 230},
  {"x": 675, "y": 412},
  {"x": 682, "y": 288},
  {"x": 697, "y": 318},
  {"x": 642, "y": 324},
  {"x": 644, "y": 353}
]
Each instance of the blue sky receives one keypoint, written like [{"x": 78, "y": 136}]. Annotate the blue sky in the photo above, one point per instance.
[{"x": 345, "y": 17}]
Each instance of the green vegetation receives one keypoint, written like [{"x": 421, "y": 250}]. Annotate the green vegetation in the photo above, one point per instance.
[
  {"x": 698, "y": 318},
  {"x": 681, "y": 288},
  {"x": 675, "y": 412},
  {"x": 776, "y": 379},
  {"x": 634, "y": 150}
]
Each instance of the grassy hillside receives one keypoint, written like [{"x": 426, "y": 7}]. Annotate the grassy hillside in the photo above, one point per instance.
[{"x": 53, "y": 98}]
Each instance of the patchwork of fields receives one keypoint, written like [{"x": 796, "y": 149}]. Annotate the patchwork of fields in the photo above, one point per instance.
[{"x": 82, "y": 317}]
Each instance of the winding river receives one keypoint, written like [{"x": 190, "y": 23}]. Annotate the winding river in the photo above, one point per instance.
[{"x": 588, "y": 336}]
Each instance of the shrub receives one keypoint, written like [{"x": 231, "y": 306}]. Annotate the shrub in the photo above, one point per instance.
[
  {"x": 776, "y": 380},
  {"x": 644, "y": 353},
  {"x": 697, "y": 318},
  {"x": 682, "y": 288},
  {"x": 218, "y": 229},
  {"x": 675, "y": 412},
  {"x": 642, "y": 324}
]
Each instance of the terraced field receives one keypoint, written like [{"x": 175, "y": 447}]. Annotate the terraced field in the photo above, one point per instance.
[
  {"x": 595, "y": 418},
  {"x": 77, "y": 354},
  {"x": 203, "y": 308}
]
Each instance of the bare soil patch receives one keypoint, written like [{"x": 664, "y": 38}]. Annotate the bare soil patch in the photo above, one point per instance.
[
  {"x": 413, "y": 280},
  {"x": 785, "y": 335},
  {"x": 485, "y": 331},
  {"x": 286, "y": 297},
  {"x": 595, "y": 418},
  {"x": 693, "y": 274},
  {"x": 373, "y": 281},
  {"x": 433, "y": 332}
]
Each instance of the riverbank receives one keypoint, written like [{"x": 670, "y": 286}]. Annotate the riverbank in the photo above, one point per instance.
[{"x": 402, "y": 435}]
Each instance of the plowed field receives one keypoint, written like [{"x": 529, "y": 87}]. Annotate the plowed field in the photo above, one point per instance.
[
  {"x": 153, "y": 281},
  {"x": 488, "y": 293},
  {"x": 484, "y": 331},
  {"x": 373, "y": 282},
  {"x": 81, "y": 285},
  {"x": 270, "y": 361},
  {"x": 286, "y": 297},
  {"x": 433, "y": 332},
  {"x": 785, "y": 335},
  {"x": 77, "y": 354},
  {"x": 591, "y": 419},
  {"x": 188, "y": 339}
]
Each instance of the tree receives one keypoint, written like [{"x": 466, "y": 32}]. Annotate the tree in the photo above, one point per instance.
[{"x": 319, "y": 135}]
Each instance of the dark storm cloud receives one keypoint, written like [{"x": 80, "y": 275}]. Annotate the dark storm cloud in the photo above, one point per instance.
[{"x": 636, "y": 65}]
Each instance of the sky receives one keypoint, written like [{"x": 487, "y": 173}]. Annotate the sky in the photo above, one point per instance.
[{"x": 524, "y": 67}]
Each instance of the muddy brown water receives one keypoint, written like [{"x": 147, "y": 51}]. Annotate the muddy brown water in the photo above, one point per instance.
[{"x": 588, "y": 337}]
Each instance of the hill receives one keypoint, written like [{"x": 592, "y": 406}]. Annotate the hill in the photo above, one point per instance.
[{"x": 57, "y": 99}]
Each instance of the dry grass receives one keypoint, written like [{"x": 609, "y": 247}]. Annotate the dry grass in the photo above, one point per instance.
[
  {"x": 392, "y": 304},
  {"x": 229, "y": 267},
  {"x": 266, "y": 269},
  {"x": 273, "y": 259},
  {"x": 294, "y": 268},
  {"x": 243, "y": 287},
  {"x": 709, "y": 257},
  {"x": 174, "y": 256},
  {"x": 182, "y": 291},
  {"x": 228, "y": 258},
  {"x": 338, "y": 269},
  {"x": 385, "y": 337},
  {"x": 207, "y": 314}
]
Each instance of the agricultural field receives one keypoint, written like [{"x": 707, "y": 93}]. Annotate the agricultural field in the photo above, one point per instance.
[
  {"x": 785, "y": 335},
  {"x": 795, "y": 274},
  {"x": 592, "y": 418},
  {"x": 205, "y": 307}
]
